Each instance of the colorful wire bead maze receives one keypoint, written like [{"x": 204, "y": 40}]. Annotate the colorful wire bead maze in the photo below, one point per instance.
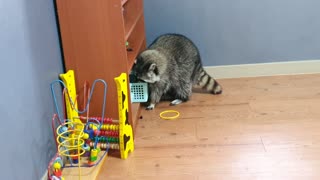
[
  {"x": 83, "y": 141},
  {"x": 76, "y": 143}
]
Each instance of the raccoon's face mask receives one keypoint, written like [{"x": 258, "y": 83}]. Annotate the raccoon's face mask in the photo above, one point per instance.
[{"x": 146, "y": 72}]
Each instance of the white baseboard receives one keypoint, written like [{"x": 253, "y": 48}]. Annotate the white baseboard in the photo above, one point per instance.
[{"x": 264, "y": 69}]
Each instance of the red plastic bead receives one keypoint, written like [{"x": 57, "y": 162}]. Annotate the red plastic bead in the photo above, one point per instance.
[
  {"x": 96, "y": 132},
  {"x": 57, "y": 173}
]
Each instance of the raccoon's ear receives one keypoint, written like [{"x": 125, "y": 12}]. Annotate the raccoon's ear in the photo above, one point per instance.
[{"x": 153, "y": 67}]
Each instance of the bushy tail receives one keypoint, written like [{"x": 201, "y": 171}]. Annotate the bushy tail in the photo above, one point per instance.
[{"x": 206, "y": 82}]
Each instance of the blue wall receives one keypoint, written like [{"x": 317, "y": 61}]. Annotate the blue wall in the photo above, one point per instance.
[
  {"x": 30, "y": 60},
  {"x": 239, "y": 32}
]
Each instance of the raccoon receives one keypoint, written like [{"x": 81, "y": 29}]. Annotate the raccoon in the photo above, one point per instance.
[{"x": 172, "y": 67}]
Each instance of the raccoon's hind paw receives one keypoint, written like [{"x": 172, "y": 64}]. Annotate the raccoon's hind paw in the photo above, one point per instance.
[
  {"x": 150, "y": 107},
  {"x": 175, "y": 102},
  {"x": 217, "y": 90}
]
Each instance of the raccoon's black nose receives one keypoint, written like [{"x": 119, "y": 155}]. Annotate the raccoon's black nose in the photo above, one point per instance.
[{"x": 133, "y": 78}]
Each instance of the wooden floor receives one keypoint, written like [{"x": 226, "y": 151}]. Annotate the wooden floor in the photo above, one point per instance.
[{"x": 259, "y": 128}]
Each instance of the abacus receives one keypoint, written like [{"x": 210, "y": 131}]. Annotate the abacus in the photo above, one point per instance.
[
  {"x": 83, "y": 141},
  {"x": 115, "y": 134}
]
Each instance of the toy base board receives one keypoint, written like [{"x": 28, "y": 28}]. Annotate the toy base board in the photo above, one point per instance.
[{"x": 87, "y": 173}]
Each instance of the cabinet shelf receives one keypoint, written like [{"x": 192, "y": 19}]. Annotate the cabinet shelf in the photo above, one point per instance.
[
  {"x": 131, "y": 24},
  {"x": 123, "y": 2},
  {"x": 135, "y": 111},
  {"x": 132, "y": 11},
  {"x": 133, "y": 54},
  {"x": 136, "y": 43},
  {"x": 98, "y": 30}
]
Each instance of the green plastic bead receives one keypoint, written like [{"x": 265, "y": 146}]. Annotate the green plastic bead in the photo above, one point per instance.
[{"x": 94, "y": 158}]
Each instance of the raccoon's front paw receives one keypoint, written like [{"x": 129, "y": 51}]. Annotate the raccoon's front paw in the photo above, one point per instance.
[
  {"x": 150, "y": 107},
  {"x": 217, "y": 90},
  {"x": 175, "y": 102}
]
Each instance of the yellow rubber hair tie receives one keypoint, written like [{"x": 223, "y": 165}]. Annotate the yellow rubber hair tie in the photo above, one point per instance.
[{"x": 169, "y": 117}]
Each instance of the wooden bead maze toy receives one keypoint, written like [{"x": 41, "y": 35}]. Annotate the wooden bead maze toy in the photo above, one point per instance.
[{"x": 83, "y": 141}]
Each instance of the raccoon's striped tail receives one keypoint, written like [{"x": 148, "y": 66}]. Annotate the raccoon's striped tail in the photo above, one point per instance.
[{"x": 208, "y": 83}]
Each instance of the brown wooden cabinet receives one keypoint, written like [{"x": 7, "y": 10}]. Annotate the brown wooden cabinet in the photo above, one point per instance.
[{"x": 94, "y": 35}]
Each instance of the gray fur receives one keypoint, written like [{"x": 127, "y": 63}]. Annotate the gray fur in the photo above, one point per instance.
[{"x": 172, "y": 68}]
